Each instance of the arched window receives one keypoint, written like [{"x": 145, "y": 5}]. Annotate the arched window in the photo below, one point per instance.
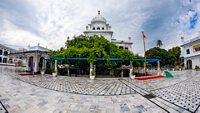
[
  {"x": 98, "y": 28},
  {"x": 10, "y": 61},
  {"x": 5, "y": 53},
  {"x": 4, "y": 60},
  {"x": 121, "y": 47},
  {"x": 1, "y": 52},
  {"x": 93, "y": 28},
  {"x": 102, "y": 28},
  {"x": 0, "y": 59}
]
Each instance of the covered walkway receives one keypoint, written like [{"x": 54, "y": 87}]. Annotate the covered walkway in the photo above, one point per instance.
[{"x": 92, "y": 67}]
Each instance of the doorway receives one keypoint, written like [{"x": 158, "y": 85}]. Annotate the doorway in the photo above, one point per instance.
[
  {"x": 41, "y": 63},
  {"x": 30, "y": 64},
  {"x": 189, "y": 64}
]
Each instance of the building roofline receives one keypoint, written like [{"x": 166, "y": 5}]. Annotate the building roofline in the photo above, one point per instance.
[
  {"x": 98, "y": 31},
  {"x": 192, "y": 56},
  {"x": 29, "y": 52},
  {"x": 190, "y": 41},
  {"x": 121, "y": 41},
  {"x": 11, "y": 49}
]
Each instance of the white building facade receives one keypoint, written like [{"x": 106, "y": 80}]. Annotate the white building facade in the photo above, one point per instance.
[
  {"x": 34, "y": 58},
  {"x": 99, "y": 26},
  {"x": 124, "y": 44},
  {"x": 191, "y": 53},
  {"x": 4, "y": 55}
]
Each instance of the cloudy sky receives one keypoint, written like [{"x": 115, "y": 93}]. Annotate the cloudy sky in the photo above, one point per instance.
[{"x": 49, "y": 22}]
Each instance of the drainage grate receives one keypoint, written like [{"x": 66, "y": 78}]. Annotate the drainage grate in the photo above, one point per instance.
[{"x": 149, "y": 96}]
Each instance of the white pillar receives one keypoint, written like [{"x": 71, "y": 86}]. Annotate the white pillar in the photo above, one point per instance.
[
  {"x": 35, "y": 59},
  {"x": 27, "y": 63},
  {"x": 68, "y": 72},
  {"x": 43, "y": 64},
  {"x": 91, "y": 68},
  {"x": 94, "y": 67},
  {"x": 122, "y": 73},
  {"x": 13, "y": 59},
  {"x": 55, "y": 67},
  {"x": 2, "y": 53},
  {"x": 158, "y": 67},
  {"x": 131, "y": 69}
]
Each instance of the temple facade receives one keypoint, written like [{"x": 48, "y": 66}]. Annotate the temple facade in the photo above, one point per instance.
[{"x": 99, "y": 26}]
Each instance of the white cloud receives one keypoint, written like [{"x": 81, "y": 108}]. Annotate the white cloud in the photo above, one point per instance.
[
  {"x": 12, "y": 35},
  {"x": 51, "y": 21}
]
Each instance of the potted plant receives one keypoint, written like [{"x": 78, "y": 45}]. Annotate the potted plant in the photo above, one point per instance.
[
  {"x": 133, "y": 74},
  {"x": 197, "y": 68},
  {"x": 42, "y": 71},
  {"x": 54, "y": 73}
]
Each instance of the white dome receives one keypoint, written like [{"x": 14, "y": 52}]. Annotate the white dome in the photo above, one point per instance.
[{"x": 98, "y": 18}]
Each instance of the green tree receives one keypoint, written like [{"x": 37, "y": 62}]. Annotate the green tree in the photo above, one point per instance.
[
  {"x": 93, "y": 47},
  {"x": 175, "y": 54},
  {"x": 62, "y": 48},
  {"x": 168, "y": 58},
  {"x": 159, "y": 43},
  {"x": 159, "y": 53}
]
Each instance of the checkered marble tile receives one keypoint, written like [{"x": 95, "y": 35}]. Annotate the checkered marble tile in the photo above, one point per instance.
[
  {"x": 185, "y": 94},
  {"x": 80, "y": 94},
  {"x": 23, "y": 97}
]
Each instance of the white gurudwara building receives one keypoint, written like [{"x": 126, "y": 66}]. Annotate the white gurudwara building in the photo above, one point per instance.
[
  {"x": 99, "y": 26},
  {"x": 191, "y": 52}
]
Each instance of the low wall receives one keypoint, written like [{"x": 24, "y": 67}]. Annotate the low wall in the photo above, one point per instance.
[{"x": 7, "y": 64}]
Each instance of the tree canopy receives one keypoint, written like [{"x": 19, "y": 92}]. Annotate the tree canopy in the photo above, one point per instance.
[
  {"x": 92, "y": 47},
  {"x": 159, "y": 53},
  {"x": 159, "y": 43},
  {"x": 175, "y": 54},
  {"x": 170, "y": 57}
]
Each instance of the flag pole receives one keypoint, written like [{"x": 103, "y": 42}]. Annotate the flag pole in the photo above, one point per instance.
[{"x": 144, "y": 44}]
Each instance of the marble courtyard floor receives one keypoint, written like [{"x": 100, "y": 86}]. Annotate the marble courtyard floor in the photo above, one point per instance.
[{"x": 45, "y": 94}]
